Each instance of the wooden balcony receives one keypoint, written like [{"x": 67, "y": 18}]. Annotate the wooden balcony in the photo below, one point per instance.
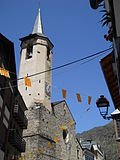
[
  {"x": 20, "y": 117},
  {"x": 17, "y": 141}
]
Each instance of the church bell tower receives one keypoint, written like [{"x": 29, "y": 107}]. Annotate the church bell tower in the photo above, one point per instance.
[
  {"x": 45, "y": 140},
  {"x": 35, "y": 61}
]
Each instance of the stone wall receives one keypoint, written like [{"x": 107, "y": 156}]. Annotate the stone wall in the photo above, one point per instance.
[
  {"x": 66, "y": 148},
  {"x": 45, "y": 126}
]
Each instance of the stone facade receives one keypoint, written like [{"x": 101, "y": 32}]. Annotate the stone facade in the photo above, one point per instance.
[{"x": 44, "y": 126}]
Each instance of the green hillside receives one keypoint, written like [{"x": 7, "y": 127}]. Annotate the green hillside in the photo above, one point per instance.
[{"x": 105, "y": 136}]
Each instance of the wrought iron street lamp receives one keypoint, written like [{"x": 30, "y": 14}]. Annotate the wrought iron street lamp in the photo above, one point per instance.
[{"x": 103, "y": 105}]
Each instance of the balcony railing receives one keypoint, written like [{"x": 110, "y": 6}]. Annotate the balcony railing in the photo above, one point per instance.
[
  {"x": 17, "y": 141},
  {"x": 20, "y": 117}
]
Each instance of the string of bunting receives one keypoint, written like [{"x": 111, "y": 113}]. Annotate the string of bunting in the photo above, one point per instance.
[
  {"x": 27, "y": 82},
  {"x": 64, "y": 95}
]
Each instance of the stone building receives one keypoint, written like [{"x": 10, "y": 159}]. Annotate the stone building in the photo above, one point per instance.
[
  {"x": 51, "y": 126},
  {"x": 91, "y": 150}
]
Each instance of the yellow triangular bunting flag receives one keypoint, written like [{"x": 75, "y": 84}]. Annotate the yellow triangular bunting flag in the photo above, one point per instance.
[
  {"x": 57, "y": 135},
  {"x": 89, "y": 100},
  {"x": 50, "y": 145},
  {"x": 27, "y": 81},
  {"x": 43, "y": 148},
  {"x": 63, "y": 127},
  {"x": 38, "y": 152},
  {"x": 72, "y": 123},
  {"x": 4, "y": 72},
  {"x": 78, "y": 97},
  {"x": 64, "y": 93},
  {"x": 56, "y": 140}
]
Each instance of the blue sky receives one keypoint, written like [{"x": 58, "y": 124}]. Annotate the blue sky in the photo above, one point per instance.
[{"x": 75, "y": 30}]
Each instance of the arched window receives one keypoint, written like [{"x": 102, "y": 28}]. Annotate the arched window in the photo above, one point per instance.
[
  {"x": 29, "y": 51},
  {"x": 65, "y": 135}
]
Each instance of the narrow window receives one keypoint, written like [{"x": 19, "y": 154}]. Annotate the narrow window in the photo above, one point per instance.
[
  {"x": 78, "y": 154},
  {"x": 29, "y": 52},
  {"x": 66, "y": 136},
  {"x": 48, "y": 53}
]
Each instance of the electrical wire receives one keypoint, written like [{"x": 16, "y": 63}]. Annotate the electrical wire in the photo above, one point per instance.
[
  {"x": 56, "y": 74},
  {"x": 80, "y": 64},
  {"x": 67, "y": 64}
]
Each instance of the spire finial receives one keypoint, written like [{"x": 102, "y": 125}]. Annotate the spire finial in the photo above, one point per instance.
[
  {"x": 38, "y": 28},
  {"x": 39, "y": 4}
]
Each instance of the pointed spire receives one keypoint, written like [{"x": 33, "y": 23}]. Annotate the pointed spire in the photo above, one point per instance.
[{"x": 38, "y": 28}]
